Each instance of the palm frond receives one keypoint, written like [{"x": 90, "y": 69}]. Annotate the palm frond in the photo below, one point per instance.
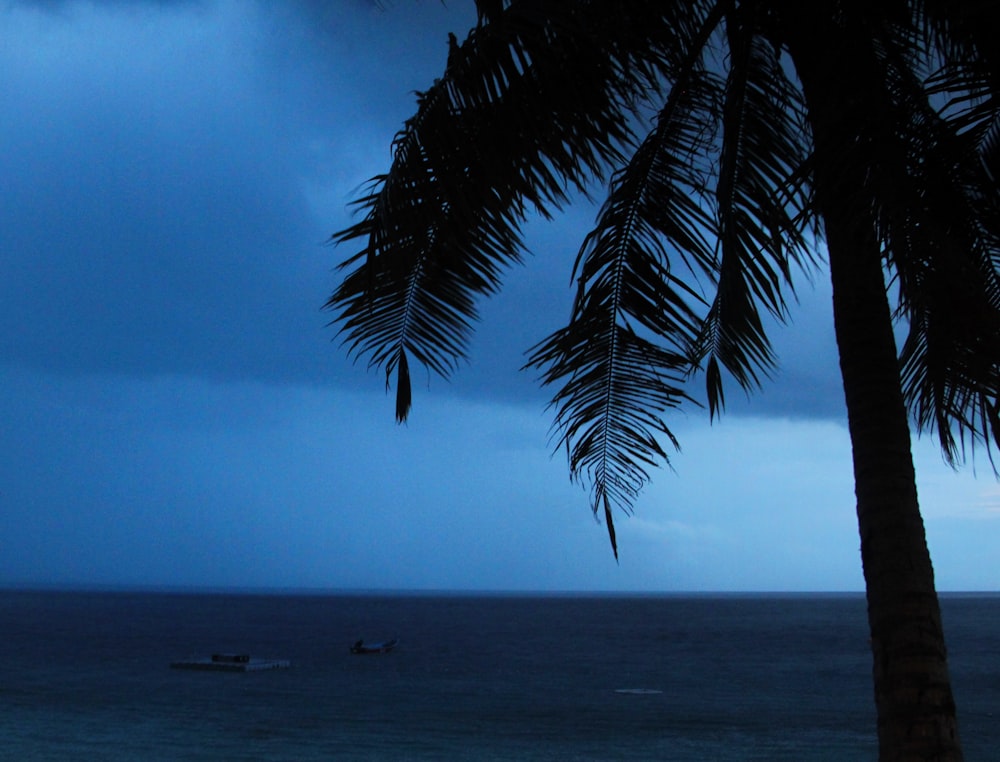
[
  {"x": 609, "y": 405},
  {"x": 760, "y": 203},
  {"x": 622, "y": 359},
  {"x": 950, "y": 293},
  {"x": 533, "y": 102},
  {"x": 937, "y": 211}
]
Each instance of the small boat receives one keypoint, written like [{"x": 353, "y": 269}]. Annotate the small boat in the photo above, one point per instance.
[
  {"x": 382, "y": 647},
  {"x": 231, "y": 663}
]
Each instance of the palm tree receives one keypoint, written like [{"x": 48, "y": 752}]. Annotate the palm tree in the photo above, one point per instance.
[{"x": 742, "y": 142}]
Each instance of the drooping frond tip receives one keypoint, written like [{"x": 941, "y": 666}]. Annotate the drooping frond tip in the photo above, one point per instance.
[
  {"x": 404, "y": 395},
  {"x": 611, "y": 526}
]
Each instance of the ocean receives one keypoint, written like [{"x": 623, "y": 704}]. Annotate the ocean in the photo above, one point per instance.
[{"x": 86, "y": 676}]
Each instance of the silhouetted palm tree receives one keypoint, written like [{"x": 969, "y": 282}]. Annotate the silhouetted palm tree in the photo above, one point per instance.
[{"x": 742, "y": 142}]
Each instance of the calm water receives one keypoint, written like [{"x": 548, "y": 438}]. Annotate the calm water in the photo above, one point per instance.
[{"x": 85, "y": 676}]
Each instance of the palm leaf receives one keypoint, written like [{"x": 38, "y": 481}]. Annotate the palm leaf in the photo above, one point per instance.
[
  {"x": 621, "y": 361},
  {"x": 760, "y": 202},
  {"x": 941, "y": 225},
  {"x": 534, "y": 101}
]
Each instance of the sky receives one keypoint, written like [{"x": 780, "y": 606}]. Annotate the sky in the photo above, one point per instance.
[{"x": 178, "y": 412}]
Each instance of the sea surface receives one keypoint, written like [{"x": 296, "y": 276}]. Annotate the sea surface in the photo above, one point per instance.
[{"x": 86, "y": 676}]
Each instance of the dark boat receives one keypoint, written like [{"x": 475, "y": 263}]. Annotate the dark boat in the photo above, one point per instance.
[{"x": 383, "y": 647}]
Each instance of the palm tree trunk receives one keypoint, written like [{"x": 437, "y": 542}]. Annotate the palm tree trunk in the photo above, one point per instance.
[
  {"x": 916, "y": 711},
  {"x": 913, "y": 698}
]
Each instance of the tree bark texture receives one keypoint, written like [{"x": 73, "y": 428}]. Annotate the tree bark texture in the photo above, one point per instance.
[{"x": 835, "y": 63}]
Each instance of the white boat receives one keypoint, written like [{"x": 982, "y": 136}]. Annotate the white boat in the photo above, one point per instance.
[
  {"x": 382, "y": 647},
  {"x": 223, "y": 662}
]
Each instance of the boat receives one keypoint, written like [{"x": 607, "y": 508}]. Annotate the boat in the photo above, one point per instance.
[
  {"x": 223, "y": 662},
  {"x": 382, "y": 647}
]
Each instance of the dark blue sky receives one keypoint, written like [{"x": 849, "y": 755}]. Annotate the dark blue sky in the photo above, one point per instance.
[{"x": 177, "y": 410}]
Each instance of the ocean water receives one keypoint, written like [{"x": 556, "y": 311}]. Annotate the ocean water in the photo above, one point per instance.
[{"x": 85, "y": 676}]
